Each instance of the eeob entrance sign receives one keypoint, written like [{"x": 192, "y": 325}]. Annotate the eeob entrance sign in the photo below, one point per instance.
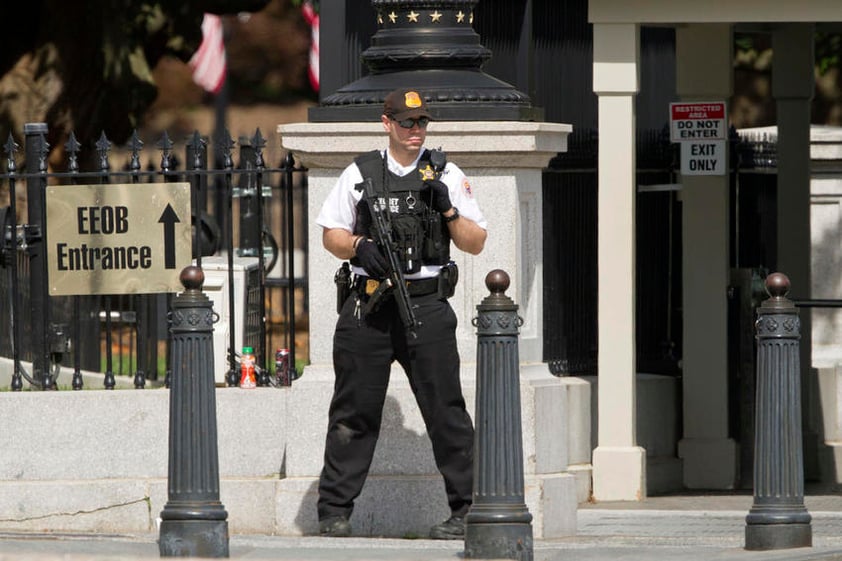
[
  {"x": 700, "y": 128},
  {"x": 117, "y": 239}
]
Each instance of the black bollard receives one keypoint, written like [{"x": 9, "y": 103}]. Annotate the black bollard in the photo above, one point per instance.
[
  {"x": 498, "y": 525},
  {"x": 778, "y": 518},
  {"x": 194, "y": 521}
]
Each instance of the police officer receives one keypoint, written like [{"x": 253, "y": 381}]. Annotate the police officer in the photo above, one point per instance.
[{"x": 429, "y": 204}]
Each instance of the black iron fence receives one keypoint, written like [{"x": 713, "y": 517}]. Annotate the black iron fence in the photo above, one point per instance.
[
  {"x": 51, "y": 339},
  {"x": 570, "y": 245}
]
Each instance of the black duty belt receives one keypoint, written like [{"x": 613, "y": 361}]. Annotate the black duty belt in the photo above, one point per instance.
[{"x": 419, "y": 287}]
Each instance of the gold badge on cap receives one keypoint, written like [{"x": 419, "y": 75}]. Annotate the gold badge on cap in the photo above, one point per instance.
[
  {"x": 412, "y": 100},
  {"x": 427, "y": 173}
]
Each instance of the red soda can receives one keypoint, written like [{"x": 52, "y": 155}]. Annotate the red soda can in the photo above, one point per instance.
[{"x": 282, "y": 374}]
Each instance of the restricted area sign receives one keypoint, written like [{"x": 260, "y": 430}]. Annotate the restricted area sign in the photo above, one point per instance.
[
  {"x": 697, "y": 121},
  {"x": 701, "y": 129},
  {"x": 117, "y": 239}
]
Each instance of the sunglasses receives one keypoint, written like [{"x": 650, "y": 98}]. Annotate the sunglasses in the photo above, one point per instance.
[{"x": 409, "y": 123}]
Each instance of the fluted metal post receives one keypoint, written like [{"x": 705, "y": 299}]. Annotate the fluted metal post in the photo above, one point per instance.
[
  {"x": 778, "y": 518},
  {"x": 498, "y": 525},
  {"x": 194, "y": 521}
]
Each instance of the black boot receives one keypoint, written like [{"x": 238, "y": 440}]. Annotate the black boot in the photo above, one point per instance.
[
  {"x": 335, "y": 527},
  {"x": 451, "y": 529}
]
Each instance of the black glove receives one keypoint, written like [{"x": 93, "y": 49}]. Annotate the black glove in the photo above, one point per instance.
[
  {"x": 436, "y": 194},
  {"x": 372, "y": 260}
]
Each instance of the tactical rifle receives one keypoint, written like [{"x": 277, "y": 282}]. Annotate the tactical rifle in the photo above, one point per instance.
[{"x": 394, "y": 281}]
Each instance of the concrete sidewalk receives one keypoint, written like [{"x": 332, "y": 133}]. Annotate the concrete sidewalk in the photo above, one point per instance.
[
  {"x": 654, "y": 530},
  {"x": 139, "y": 548}
]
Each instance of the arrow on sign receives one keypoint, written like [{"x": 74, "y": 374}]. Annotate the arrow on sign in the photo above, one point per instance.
[{"x": 168, "y": 219}]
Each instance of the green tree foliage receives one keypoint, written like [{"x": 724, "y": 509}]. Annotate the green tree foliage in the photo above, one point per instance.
[
  {"x": 827, "y": 48},
  {"x": 754, "y": 66},
  {"x": 88, "y": 66}
]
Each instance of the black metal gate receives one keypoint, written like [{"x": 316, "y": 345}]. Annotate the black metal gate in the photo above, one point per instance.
[
  {"x": 265, "y": 206},
  {"x": 570, "y": 260}
]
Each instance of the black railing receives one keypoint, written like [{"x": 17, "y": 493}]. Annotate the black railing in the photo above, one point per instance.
[
  {"x": 818, "y": 303},
  {"x": 126, "y": 334},
  {"x": 570, "y": 245}
]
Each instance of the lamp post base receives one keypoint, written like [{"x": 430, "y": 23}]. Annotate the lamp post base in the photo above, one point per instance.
[
  {"x": 193, "y": 538},
  {"x": 761, "y": 537},
  {"x": 498, "y": 541}
]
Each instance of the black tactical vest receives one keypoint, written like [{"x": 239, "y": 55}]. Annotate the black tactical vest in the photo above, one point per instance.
[{"x": 417, "y": 229}]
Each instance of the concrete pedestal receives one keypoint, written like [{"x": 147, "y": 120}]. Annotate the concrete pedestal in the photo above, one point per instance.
[{"x": 404, "y": 493}]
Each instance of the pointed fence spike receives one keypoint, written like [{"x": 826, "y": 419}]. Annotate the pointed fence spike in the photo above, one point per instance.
[
  {"x": 165, "y": 145},
  {"x": 103, "y": 146},
  {"x": 289, "y": 160},
  {"x": 73, "y": 148},
  {"x": 135, "y": 145},
  {"x": 257, "y": 140},
  {"x": 43, "y": 152},
  {"x": 11, "y": 147},
  {"x": 258, "y": 143},
  {"x": 197, "y": 143},
  {"x": 226, "y": 146},
  {"x": 72, "y": 145}
]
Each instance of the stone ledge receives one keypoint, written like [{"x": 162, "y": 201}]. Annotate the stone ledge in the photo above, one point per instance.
[{"x": 472, "y": 144}]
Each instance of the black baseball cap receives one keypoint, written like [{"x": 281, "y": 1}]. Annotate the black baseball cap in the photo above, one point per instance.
[{"x": 405, "y": 104}]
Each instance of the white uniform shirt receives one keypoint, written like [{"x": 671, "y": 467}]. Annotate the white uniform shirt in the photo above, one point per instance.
[{"x": 340, "y": 207}]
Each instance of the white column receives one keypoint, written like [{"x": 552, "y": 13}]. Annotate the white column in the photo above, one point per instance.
[
  {"x": 618, "y": 463},
  {"x": 704, "y": 73},
  {"x": 792, "y": 87}
]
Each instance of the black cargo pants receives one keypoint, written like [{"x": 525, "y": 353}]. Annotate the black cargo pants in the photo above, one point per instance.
[{"x": 363, "y": 352}]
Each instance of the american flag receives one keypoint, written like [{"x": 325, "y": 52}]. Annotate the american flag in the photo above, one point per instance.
[
  {"x": 312, "y": 17},
  {"x": 208, "y": 63}
]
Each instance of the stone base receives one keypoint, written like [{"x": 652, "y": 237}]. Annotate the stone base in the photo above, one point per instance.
[
  {"x": 619, "y": 473},
  {"x": 763, "y": 537},
  {"x": 194, "y": 538},
  {"x": 551, "y": 500}
]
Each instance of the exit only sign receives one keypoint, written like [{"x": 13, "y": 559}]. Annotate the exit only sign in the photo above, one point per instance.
[{"x": 701, "y": 129}]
